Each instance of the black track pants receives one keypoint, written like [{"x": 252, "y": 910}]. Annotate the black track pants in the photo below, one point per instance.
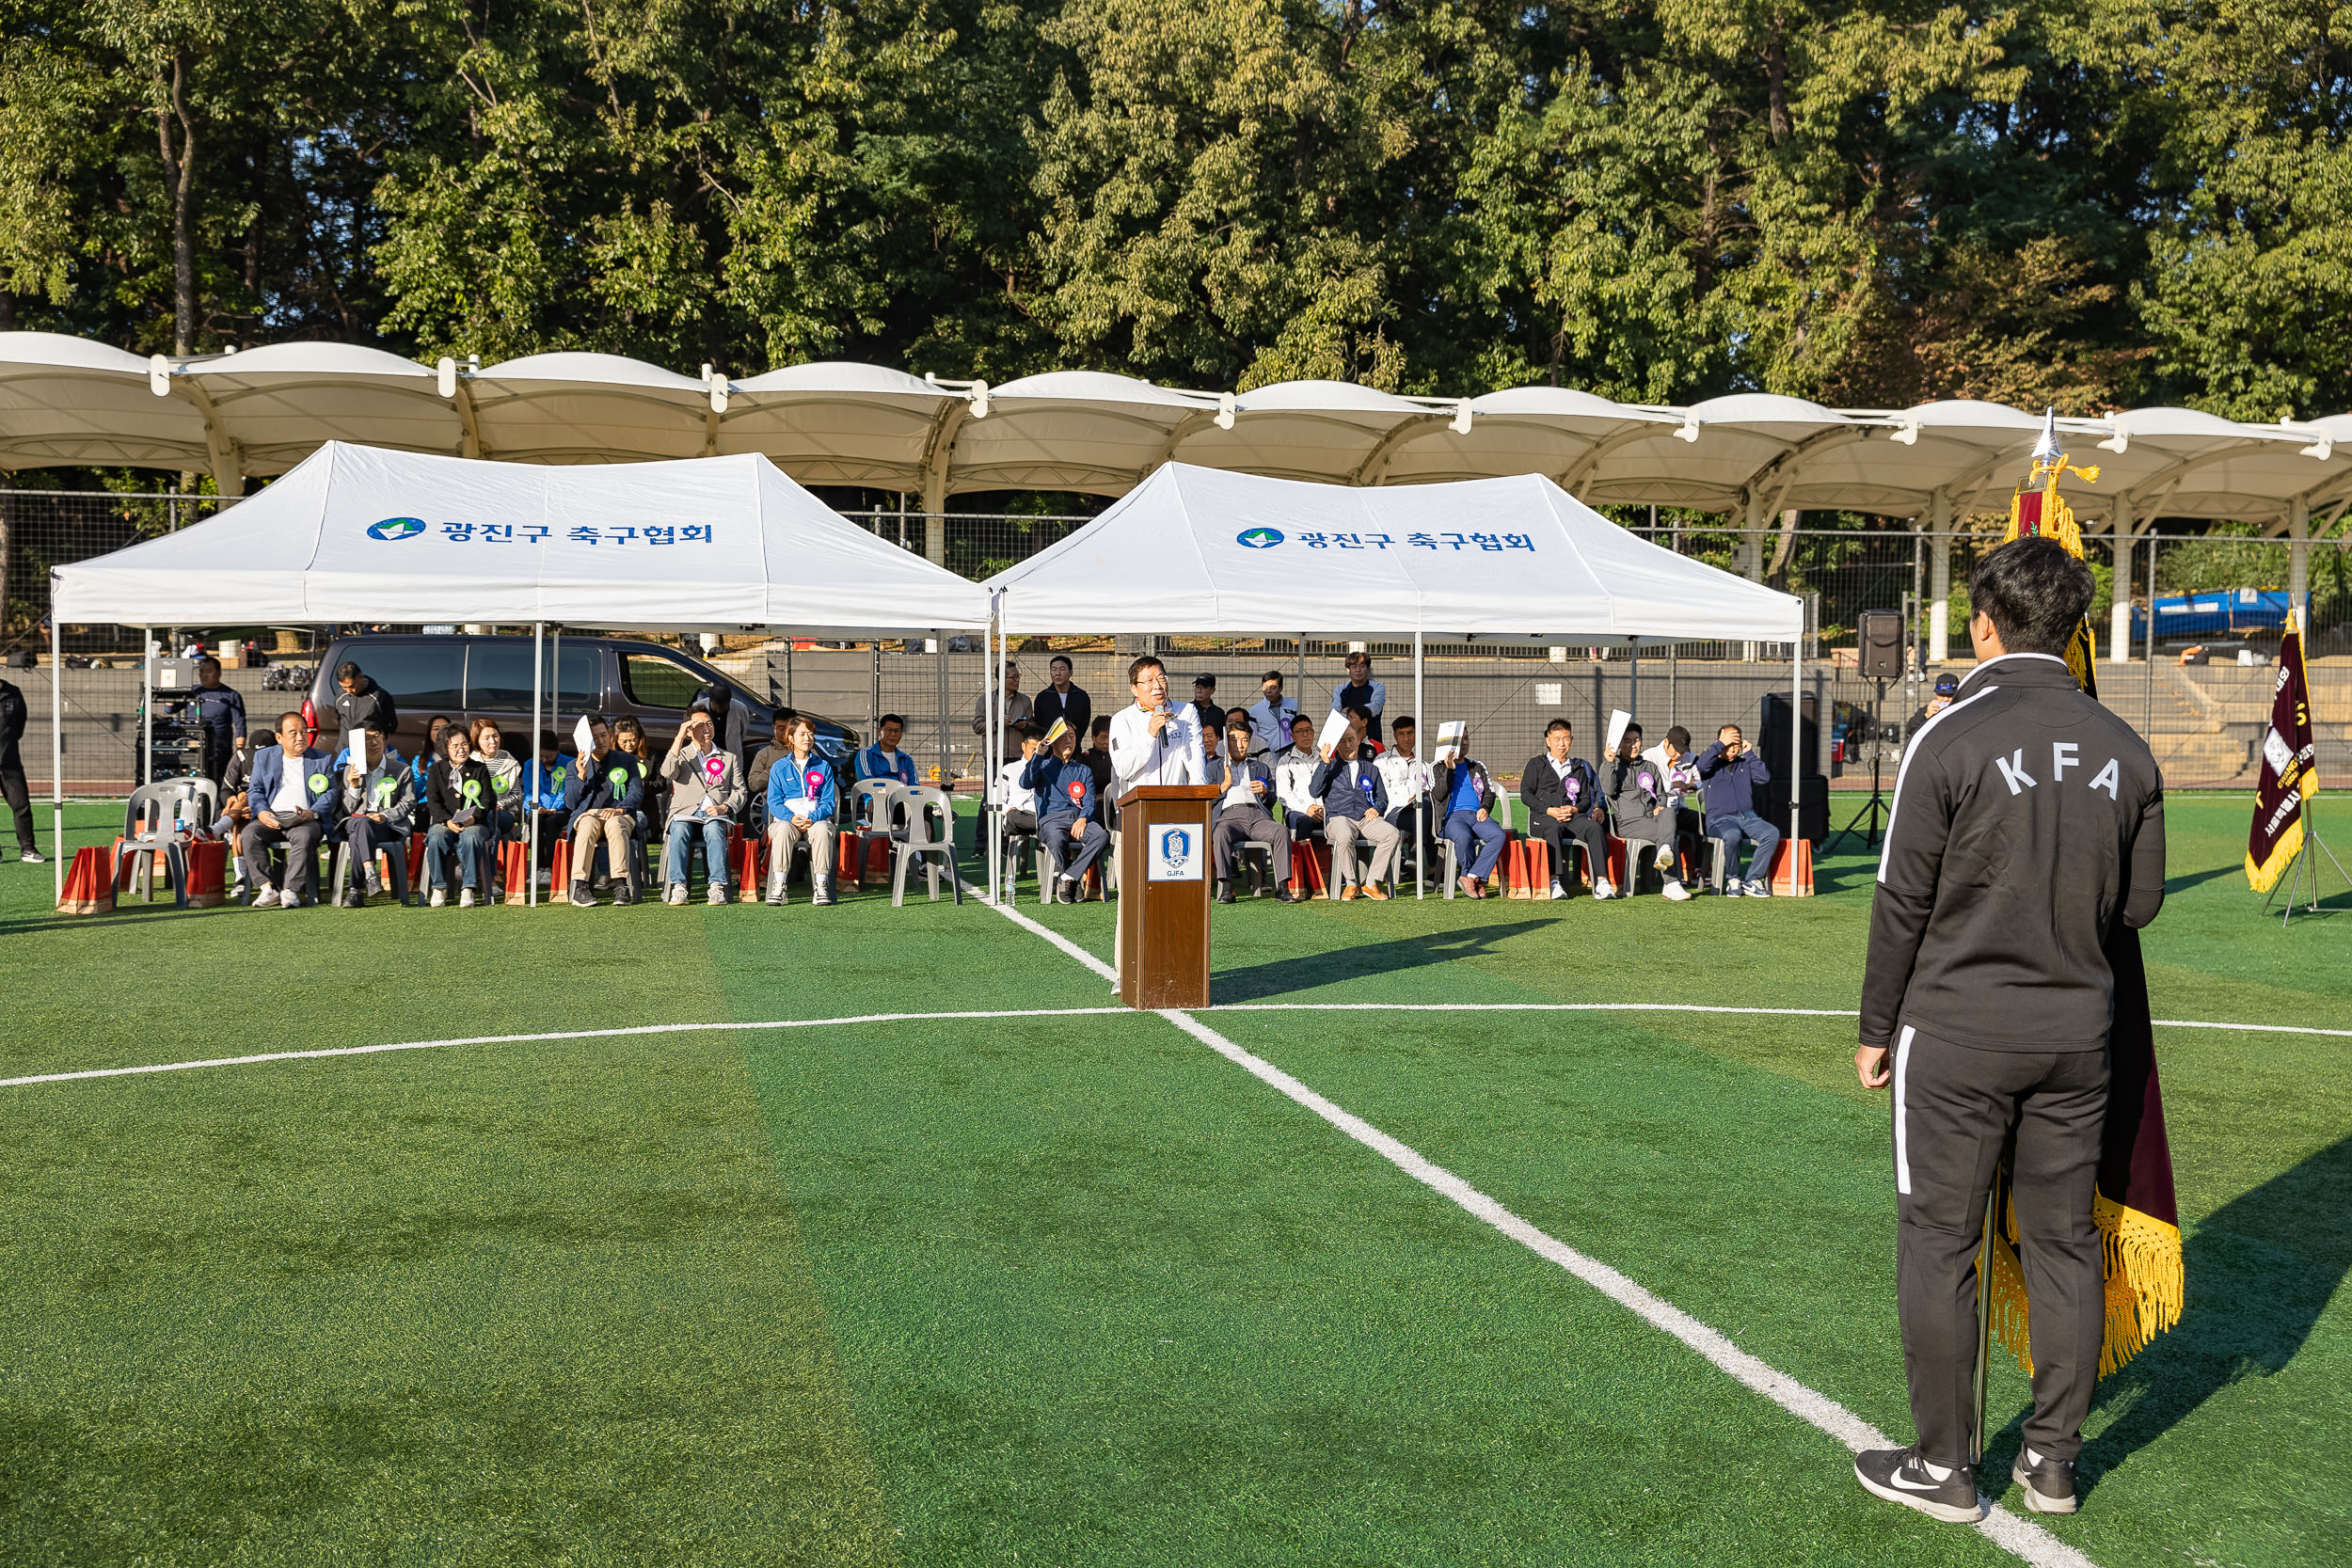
[{"x": 1953, "y": 1104}]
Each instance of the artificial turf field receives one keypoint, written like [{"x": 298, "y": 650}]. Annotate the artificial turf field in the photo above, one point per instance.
[{"x": 1074, "y": 1288}]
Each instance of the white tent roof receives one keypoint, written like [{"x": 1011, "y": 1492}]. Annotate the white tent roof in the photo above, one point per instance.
[
  {"x": 1197, "y": 549},
  {"x": 359, "y": 534}
]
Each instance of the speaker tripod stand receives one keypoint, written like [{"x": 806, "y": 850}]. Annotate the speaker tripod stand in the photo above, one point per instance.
[
  {"x": 2305, "y": 871},
  {"x": 1875, "y": 810}
]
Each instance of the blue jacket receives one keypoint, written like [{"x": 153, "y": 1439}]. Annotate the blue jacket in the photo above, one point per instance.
[
  {"x": 1063, "y": 788},
  {"x": 871, "y": 764},
  {"x": 616, "y": 779},
  {"x": 1329, "y": 784},
  {"x": 792, "y": 781},
  {"x": 557, "y": 792},
  {"x": 321, "y": 786},
  {"x": 1730, "y": 787}
]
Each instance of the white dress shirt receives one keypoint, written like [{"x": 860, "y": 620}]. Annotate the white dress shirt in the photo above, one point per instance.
[
  {"x": 1171, "y": 757},
  {"x": 1270, "y": 725}
]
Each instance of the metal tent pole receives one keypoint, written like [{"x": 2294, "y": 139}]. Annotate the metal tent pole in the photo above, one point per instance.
[
  {"x": 939, "y": 668},
  {"x": 1420, "y": 808},
  {"x": 1796, "y": 748},
  {"x": 995, "y": 756},
  {"x": 538, "y": 769},
  {"x": 56, "y": 756},
  {"x": 147, "y": 703}
]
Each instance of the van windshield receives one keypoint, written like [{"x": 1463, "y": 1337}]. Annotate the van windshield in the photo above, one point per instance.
[
  {"x": 651, "y": 681},
  {"x": 423, "y": 677}
]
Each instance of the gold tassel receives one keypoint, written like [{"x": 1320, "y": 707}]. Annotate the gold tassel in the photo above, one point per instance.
[
  {"x": 2008, "y": 1300},
  {"x": 2144, "y": 1284},
  {"x": 2145, "y": 1280}
]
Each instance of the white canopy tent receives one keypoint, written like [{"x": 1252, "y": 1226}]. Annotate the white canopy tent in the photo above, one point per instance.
[
  {"x": 1207, "y": 550},
  {"x": 356, "y": 533}
]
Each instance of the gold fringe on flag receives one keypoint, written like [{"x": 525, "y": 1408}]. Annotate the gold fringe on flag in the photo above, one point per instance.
[
  {"x": 2262, "y": 876},
  {"x": 2145, "y": 1282}
]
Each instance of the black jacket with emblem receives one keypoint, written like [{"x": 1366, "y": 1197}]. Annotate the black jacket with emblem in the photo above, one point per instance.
[{"x": 2027, "y": 820}]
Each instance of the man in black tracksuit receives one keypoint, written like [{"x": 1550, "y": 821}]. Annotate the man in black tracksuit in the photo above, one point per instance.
[
  {"x": 13, "y": 715},
  {"x": 2027, "y": 820}
]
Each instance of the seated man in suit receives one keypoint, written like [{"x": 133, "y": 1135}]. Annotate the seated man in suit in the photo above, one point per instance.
[
  {"x": 376, "y": 800},
  {"x": 1348, "y": 783},
  {"x": 1467, "y": 797},
  {"x": 1564, "y": 805},
  {"x": 293, "y": 796},
  {"x": 1640, "y": 801},
  {"x": 1242, "y": 812}
]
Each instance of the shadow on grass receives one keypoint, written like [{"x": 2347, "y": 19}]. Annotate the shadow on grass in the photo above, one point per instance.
[
  {"x": 1285, "y": 975},
  {"x": 2261, "y": 1270}
]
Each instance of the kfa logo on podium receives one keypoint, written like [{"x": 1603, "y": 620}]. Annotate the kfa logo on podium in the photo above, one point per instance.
[{"x": 1175, "y": 855}]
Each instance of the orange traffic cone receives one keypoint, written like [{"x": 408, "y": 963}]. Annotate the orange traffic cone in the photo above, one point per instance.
[{"x": 89, "y": 887}]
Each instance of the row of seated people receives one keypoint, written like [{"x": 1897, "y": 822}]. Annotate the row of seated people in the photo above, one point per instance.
[
  {"x": 286, "y": 801},
  {"x": 1355, "y": 790}
]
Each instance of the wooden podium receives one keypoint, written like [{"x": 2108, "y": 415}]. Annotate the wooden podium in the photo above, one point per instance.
[{"x": 1164, "y": 874}]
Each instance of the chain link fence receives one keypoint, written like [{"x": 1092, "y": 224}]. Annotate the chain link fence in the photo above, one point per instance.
[{"x": 2202, "y": 700}]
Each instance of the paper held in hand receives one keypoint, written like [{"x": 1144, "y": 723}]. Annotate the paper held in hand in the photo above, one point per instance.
[
  {"x": 1061, "y": 727},
  {"x": 583, "y": 738},
  {"x": 1333, "y": 728},
  {"x": 1449, "y": 742}
]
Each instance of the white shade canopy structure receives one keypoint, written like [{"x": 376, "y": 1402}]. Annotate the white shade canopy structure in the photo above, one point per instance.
[
  {"x": 1749, "y": 455},
  {"x": 361, "y": 534},
  {"x": 1203, "y": 551}
]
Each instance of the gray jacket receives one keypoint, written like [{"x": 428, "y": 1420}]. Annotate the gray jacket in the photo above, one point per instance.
[
  {"x": 1634, "y": 788},
  {"x": 388, "y": 789},
  {"x": 2027, "y": 820},
  {"x": 692, "y": 781}
]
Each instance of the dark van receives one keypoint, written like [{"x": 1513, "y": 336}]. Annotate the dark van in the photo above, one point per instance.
[{"x": 467, "y": 677}]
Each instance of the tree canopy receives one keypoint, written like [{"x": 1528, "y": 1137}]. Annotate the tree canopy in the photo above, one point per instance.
[{"x": 2092, "y": 203}]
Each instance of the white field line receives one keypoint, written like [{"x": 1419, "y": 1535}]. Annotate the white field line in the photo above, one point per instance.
[
  {"x": 2020, "y": 1537},
  {"x": 556, "y": 1035}
]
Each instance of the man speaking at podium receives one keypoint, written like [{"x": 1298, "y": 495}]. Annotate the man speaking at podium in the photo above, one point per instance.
[{"x": 1154, "y": 741}]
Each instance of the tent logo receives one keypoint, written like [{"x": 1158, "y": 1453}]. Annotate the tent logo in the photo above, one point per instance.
[
  {"x": 396, "y": 527},
  {"x": 1259, "y": 538}
]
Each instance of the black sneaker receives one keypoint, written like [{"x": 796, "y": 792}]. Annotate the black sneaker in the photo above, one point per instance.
[
  {"x": 1224, "y": 892},
  {"x": 1286, "y": 896},
  {"x": 582, "y": 897},
  {"x": 1900, "y": 1476},
  {"x": 2047, "y": 1487}
]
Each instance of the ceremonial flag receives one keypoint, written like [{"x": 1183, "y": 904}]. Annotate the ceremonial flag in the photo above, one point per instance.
[
  {"x": 2132, "y": 1204},
  {"x": 2287, "y": 777}
]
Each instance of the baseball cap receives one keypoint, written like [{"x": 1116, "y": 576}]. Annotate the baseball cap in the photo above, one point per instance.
[{"x": 1947, "y": 686}]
